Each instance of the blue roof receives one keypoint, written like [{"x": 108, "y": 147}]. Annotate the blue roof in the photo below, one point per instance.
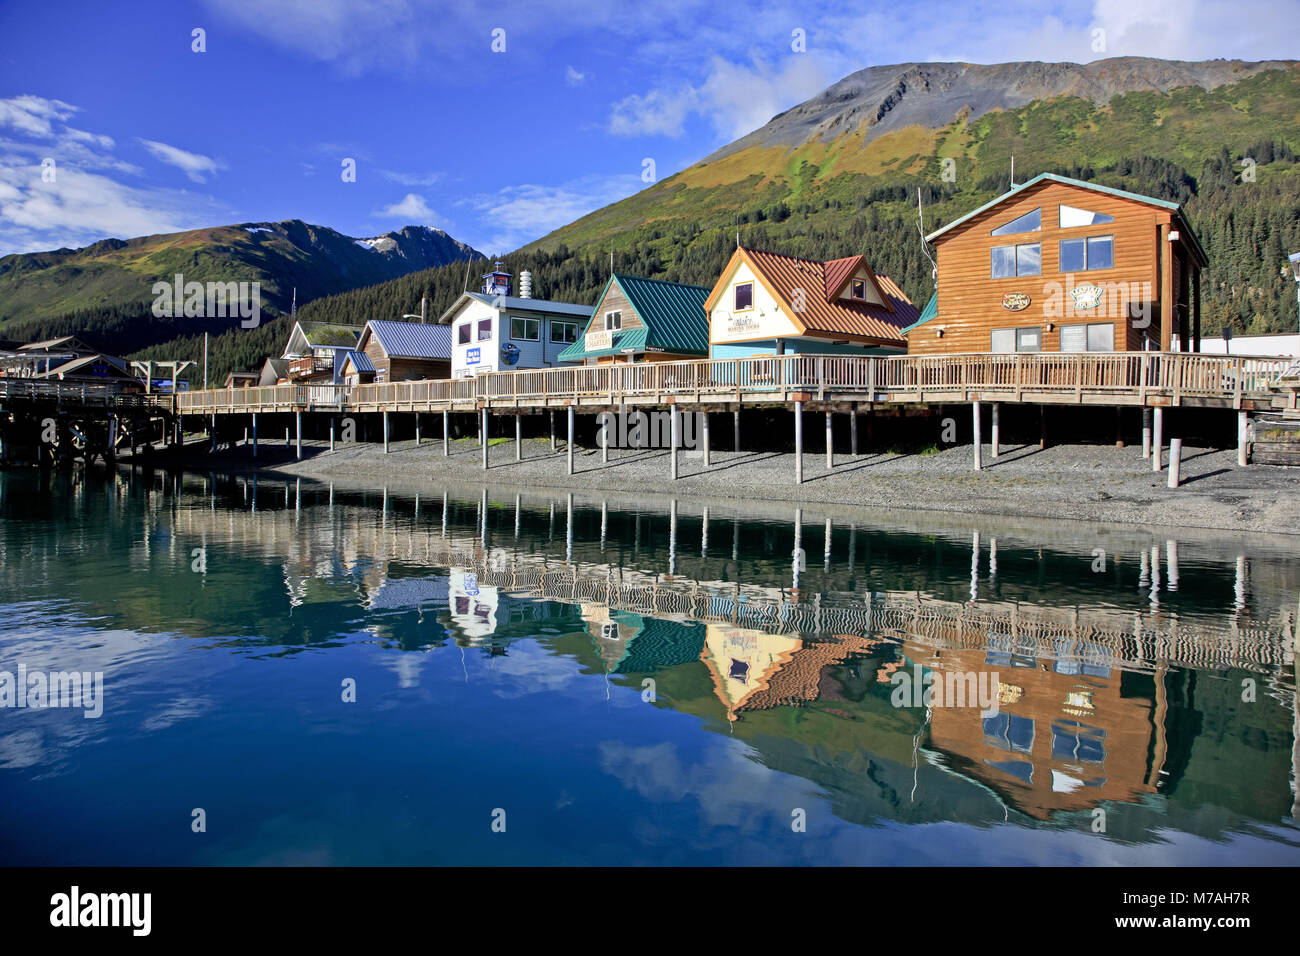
[
  {"x": 412, "y": 339},
  {"x": 360, "y": 361}
]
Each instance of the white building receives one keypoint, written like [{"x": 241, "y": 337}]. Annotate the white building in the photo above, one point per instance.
[{"x": 493, "y": 331}]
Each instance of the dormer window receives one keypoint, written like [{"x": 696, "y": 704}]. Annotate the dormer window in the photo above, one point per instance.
[
  {"x": 613, "y": 321},
  {"x": 1072, "y": 217},
  {"x": 744, "y": 296},
  {"x": 858, "y": 289},
  {"x": 1029, "y": 222}
]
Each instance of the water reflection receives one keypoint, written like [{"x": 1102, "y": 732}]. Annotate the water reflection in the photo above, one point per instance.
[{"x": 1141, "y": 680}]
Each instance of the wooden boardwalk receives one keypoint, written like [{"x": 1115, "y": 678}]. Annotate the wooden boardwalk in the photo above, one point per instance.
[{"x": 1144, "y": 379}]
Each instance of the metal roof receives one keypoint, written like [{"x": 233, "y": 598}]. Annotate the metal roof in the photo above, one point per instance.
[
  {"x": 1095, "y": 187},
  {"x": 360, "y": 361},
  {"x": 411, "y": 339},
  {"x": 672, "y": 315},
  {"x": 515, "y": 304}
]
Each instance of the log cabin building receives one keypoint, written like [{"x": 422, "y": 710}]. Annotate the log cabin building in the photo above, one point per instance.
[
  {"x": 643, "y": 320},
  {"x": 1060, "y": 265},
  {"x": 399, "y": 352}
]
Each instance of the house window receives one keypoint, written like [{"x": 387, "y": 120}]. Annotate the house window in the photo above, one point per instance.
[
  {"x": 462, "y": 334},
  {"x": 1096, "y": 337},
  {"x": 526, "y": 330},
  {"x": 744, "y": 296},
  {"x": 564, "y": 332},
  {"x": 1071, "y": 217},
  {"x": 484, "y": 329},
  {"x": 859, "y": 289},
  {"x": 1010, "y": 261},
  {"x": 1017, "y": 340},
  {"x": 1029, "y": 222},
  {"x": 1084, "y": 255},
  {"x": 613, "y": 321}
]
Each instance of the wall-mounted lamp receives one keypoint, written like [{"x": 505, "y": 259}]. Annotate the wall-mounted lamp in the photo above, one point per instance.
[{"x": 1173, "y": 235}]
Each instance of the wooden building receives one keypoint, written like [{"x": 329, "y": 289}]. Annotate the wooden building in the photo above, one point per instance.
[
  {"x": 313, "y": 350},
  {"x": 643, "y": 320},
  {"x": 1060, "y": 265},
  {"x": 402, "y": 352},
  {"x": 240, "y": 379},
  {"x": 770, "y": 304}
]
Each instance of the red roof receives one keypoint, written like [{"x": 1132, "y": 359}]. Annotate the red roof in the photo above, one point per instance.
[{"x": 823, "y": 311}]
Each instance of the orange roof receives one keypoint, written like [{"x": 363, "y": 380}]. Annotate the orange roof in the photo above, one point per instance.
[{"x": 821, "y": 283}]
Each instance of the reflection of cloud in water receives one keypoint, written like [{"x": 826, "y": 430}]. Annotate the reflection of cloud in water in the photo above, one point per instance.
[
  {"x": 528, "y": 669},
  {"x": 176, "y": 710},
  {"x": 24, "y": 748}
]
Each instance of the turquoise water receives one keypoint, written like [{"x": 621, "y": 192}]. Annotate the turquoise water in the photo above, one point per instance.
[{"x": 603, "y": 681}]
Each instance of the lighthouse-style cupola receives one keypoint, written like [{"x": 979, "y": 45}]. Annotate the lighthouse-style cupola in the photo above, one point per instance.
[{"x": 496, "y": 282}]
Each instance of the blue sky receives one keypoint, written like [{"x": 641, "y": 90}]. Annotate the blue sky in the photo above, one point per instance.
[{"x": 497, "y": 148}]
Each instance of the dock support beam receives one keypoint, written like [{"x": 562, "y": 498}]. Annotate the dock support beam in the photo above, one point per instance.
[
  {"x": 1146, "y": 434},
  {"x": 704, "y": 437},
  {"x": 569, "y": 447},
  {"x": 1157, "y": 437},
  {"x": 853, "y": 432},
  {"x": 1243, "y": 430},
  {"x": 674, "y": 433},
  {"x": 603, "y": 421},
  {"x": 798, "y": 443},
  {"x": 830, "y": 451},
  {"x": 483, "y": 434},
  {"x": 255, "y": 436},
  {"x": 417, "y": 429},
  {"x": 978, "y": 440},
  {"x": 297, "y": 420},
  {"x": 996, "y": 435},
  {"x": 1175, "y": 461},
  {"x": 552, "y": 414},
  {"x": 735, "y": 429},
  {"x": 331, "y": 435},
  {"x": 446, "y": 433},
  {"x": 385, "y": 433},
  {"x": 519, "y": 438}
]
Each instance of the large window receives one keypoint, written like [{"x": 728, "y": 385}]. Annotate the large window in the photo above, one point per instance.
[
  {"x": 1086, "y": 254},
  {"x": 462, "y": 334},
  {"x": 1071, "y": 217},
  {"x": 1029, "y": 222},
  {"x": 484, "y": 329},
  {"x": 564, "y": 332},
  {"x": 613, "y": 321},
  {"x": 1017, "y": 340},
  {"x": 744, "y": 296},
  {"x": 1010, "y": 261},
  {"x": 526, "y": 330},
  {"x": 1095, "y": 337}
]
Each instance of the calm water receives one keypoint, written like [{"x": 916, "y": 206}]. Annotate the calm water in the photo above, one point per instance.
[{"x": 629, "y": 682}]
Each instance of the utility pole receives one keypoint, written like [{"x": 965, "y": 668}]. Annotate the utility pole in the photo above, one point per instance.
[{"x": 205, "y": 360}]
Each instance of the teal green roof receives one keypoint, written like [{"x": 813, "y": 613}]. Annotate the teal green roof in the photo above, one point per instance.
[
  {"x": 672, "y": 315},
  {"x": 1109, "y": 190},
  {"x": 929, "y": 312}
]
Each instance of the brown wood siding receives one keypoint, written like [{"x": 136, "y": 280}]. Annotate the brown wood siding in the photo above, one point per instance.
[
  {"x": 970, "y": 300},
  {"x": 614, "y": 301},
  {"x": 378, "y": 357},
  {"x": 406, "y": 370}
]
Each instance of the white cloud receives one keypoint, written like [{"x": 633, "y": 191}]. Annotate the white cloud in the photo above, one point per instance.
[
  {"x": 194, "y": 165},
  {"x": 574, "y": 77},
  {"x": 81, "y": 207},
  {"x": 411, "y": 179},
  {"x": 519, "y": 214},
  {"x": 412, "y": 209}
]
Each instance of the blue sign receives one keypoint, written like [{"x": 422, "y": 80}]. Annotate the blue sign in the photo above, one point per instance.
[
  {"x": 510, "y": 353},
  {"x": 472, "y": 356}
]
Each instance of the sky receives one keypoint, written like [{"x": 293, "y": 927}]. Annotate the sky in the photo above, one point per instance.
[{"x": 497, "y": 122}]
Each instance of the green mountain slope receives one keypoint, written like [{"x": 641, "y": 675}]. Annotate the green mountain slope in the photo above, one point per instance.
[{"x": 840, "y": 174}]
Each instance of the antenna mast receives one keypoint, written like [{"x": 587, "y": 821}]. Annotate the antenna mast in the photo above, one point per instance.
[{"x": 920, "y": 225}]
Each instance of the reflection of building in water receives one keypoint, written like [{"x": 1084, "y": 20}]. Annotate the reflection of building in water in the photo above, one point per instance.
[
  {"x": 481, "y": 614},
  {"x": 611, "y": 632},
  {"x": 398, "y": 595},
  {"x": 661, "y": 644},
  {"x": 1070, "y": 732},
  {"x": 740, "y": 660}
]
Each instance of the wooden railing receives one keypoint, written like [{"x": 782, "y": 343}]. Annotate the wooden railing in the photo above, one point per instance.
[
  {"x": 129, "y": 394},
  {"x": 1135, "y": 376}
]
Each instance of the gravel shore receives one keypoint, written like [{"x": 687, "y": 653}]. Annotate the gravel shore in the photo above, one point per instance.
[{"x": 1082, "y": 482}]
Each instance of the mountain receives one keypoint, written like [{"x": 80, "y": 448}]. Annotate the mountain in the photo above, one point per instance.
[
  {"x": 840, "y": 174},
  {"x": 105, "y": 289}
]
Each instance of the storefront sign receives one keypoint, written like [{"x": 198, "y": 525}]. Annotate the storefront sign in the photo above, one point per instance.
[
  {"x": 1086, "y": 296},
  {"x": 595, "y": 341},
  {"x": 1015, "y": 301},
  {"x": 472, "y": 356}
]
